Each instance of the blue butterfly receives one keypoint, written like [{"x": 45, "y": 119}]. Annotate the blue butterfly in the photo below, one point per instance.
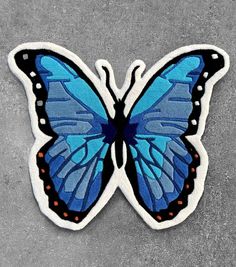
[{"x": 92, "y": 137}]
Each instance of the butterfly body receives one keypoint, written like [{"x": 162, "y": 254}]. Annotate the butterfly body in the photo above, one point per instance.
[{"x": 92, "y": 137}]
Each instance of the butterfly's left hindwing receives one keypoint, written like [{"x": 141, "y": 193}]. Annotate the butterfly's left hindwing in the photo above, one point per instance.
[
  {"x": 162, "y": 164},
  {"x": 75, "y": 165}
]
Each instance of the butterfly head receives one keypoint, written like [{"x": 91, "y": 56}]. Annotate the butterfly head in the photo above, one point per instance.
[{"x": 119, "y": 106}]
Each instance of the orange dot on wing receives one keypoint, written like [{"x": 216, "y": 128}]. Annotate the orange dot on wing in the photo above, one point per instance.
[
  {"x": 55, "y": 203},
  {"x": 171, "y": 214},
  {"x": 40, "y": 154},
  {"x": 193, "y": 169},
  {"x": 76, "y": 218},
  {"x": 42, "y": 171},
  {"x": 196, "y": 156},
  {"x": 48, "y": 187},
  {"x": 180, "y": 202},
  {"x": 159, "y": 218},
  {"x": 65, "y": 214}
]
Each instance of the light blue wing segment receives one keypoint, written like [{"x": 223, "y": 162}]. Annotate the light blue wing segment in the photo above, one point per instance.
[
  {"x": 72, "y": 105},
  {"x": 162, "y": 166},
  {"x": 75, "y": 164},
  {"x": 166, "y": 105}
]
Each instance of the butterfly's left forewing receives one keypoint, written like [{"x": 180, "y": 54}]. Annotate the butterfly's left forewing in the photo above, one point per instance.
[
  {"x": 163, "y": 165},
  {"x": 75, "y": 164}
]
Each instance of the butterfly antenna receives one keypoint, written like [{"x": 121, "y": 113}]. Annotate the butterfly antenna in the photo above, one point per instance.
[
  {"x": 136, "y": 69},
  {"x": 108, "y": 82},
  {"x": 132, "y": 81},
  {"x": 107, "y": 77}
]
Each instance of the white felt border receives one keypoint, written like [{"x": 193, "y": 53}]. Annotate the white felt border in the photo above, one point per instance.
[{"x": 119, "y": 178}]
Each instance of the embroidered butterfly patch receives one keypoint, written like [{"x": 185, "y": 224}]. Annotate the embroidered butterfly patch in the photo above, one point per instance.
[{"x": 92, "y": 137}]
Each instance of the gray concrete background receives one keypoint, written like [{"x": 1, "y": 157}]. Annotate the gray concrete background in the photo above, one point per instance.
[{"x": 119, "y": 31}]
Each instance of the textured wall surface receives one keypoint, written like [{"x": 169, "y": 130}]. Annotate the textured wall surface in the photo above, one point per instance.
[{"x": 119, "y": 31}]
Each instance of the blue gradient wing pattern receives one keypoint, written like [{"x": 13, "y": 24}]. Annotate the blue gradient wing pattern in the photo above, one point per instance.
[
  {"x": 76, "y": 164},
  {"x": 162, "y": 167},
  {"x": 72, "y": 106},
  {"x": 75, "y": 113},
  {"x": 161, "y": 116}
]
